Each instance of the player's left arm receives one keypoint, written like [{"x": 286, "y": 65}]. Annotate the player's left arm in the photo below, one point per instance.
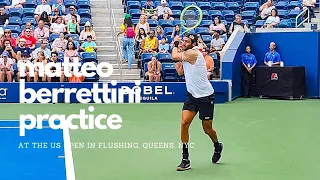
[
  {"x": 179, "y": 68},
  {"x": 176, "y": 55}
]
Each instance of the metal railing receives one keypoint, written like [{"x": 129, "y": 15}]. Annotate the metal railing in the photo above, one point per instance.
[
  {"x": 117, "y": 40},
  {"x": 301, "y": 14}
]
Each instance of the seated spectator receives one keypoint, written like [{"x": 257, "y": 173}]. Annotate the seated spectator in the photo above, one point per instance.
[
  {"x": 4, "y": 17},
  {"x": 201, "y": 44},
  {"x": 176, "y": 31},
  {"x": 8, "y": 48},
  {"x": 238, "y": 24},
  {"x": 28, "y": 26},
  {"x": 76, "y": 43},
  {"x": 265, "y": 10},
  {"x": 164, "y": 46},
  {"x": 150, "y": 44},
  {"x": 40, "y": 59},
  {"x": 8, "y": 35},
  {"x": 164, "y": 12},
  {"x": 149, "y": 10},
  {"x": 272, "y": 57},
  {"x": 89, "y": 45},
  {"x": 58, "y": 27},
  {"x": 249, "y": 63},
  {"x": 56, "y": 14},
  {"x": 209, "y": 62},
  {"x": 310, "y": 4},
  {"x": 6, "y": 67},
  {"x": 59, "y": 44},
  {"x": 140, "y": 37},
  {"x": 60, "y": 7},
  {"x": 45, "y": 18},
  {"x": 23, "y": 60},
  {"x": 217, "y": 43},
  {"x": 142, "y": 24},
  {"x": 88, "y": 31},
  {"x": 16, "y": 4},
  {"x": 30, "y": 40},
  {"x": 40, "y": 9},
  {"x": 73, "y": 27},
  {"x": 43, "y": 48},
  {"x": 68, "y": 17},
  {"x": 41, "y": 32},
  {"x": 154, "y": 70},
  {"x": 273, "y": 20},
  {"x": 71, "y": 52},
  {"x": 21, "y": 49},
  {"x": 159, "y": 33},
  {"x": 54, "y": 59},
  {"x": 217, "y": 26}
]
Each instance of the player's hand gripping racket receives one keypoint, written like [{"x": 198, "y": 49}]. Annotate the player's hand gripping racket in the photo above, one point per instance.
[{"x": 191, "y": 17}]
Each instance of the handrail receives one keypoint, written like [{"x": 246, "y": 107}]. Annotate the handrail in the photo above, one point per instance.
[
  {"x": 117, "y": 39},
  {"x": 307, "y": 19}
]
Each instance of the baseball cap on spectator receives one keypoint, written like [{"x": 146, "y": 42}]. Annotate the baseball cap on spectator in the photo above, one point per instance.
[
  {"x": 5, "y": 54},
  {"x": 127, "y": 16},
  {"x": 24, "y": 55},
  {"x": 163, "y": 2},
  {"x": 72, "y": 7}
]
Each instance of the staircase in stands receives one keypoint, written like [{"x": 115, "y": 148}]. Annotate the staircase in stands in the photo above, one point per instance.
[{"x": 107, "y": 46}]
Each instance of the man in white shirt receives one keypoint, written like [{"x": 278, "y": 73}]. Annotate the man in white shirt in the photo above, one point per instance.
[
  {"x": 6, "y": 67},
  {"x": 72, "y": 11},
  {"x": 41, "y": 8},
  {"x": 44, "y": 49},
  {"x": 164, "y": 12},
  {"x": 16, "y": 4},
  {"x": 41, "y": 32},
  {"x": 310, "y": 4},
  {"x": 217, "y": 43}
]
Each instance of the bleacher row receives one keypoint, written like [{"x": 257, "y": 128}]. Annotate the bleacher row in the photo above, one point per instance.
[{"x": 18, "y": 17}]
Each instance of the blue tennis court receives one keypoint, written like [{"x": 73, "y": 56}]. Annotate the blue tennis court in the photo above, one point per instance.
[{"x": 39, "y": 155}]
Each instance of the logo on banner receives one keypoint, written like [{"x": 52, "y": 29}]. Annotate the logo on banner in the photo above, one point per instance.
[
  {"x": 3, "y": 93},
  {"x": 274, "y": 76},
  {"x": 151, "y": 93}
]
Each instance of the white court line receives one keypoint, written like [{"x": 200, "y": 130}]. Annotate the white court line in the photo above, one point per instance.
[{"x": 68, "y": 155}]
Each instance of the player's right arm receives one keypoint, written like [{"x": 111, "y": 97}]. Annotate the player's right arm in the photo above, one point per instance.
[{"x": 189, "y": 56}]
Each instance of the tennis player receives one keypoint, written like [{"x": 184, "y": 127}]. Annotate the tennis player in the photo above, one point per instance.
[{"x": 200, "y": 96}]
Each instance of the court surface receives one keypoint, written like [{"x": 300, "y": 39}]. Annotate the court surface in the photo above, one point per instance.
[{"x": 263, "y": 140}]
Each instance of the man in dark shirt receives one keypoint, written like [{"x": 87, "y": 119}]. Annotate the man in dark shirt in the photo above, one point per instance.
[
  {"x": 149, "y": 10},
  {"x": 23, "y": 50},
  {"x": 4, "y": 18}
]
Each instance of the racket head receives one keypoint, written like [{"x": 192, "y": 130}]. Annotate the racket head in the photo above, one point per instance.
[{"x": 190, "y": 18}]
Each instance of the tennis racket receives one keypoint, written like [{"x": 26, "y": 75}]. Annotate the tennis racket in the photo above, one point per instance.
[{"x": 191, "y": 17}]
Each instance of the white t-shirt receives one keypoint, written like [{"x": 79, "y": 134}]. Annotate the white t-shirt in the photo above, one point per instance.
[
  {"x": 27, "y": 62},
  {"x": 161, "y": 10},
  {"x": 9, "y": 61},
  {"x": 68, "y": 17},
  {"x": 41, "y": 8},
  {"x": 217, "y": 43},
  {"x": 308, "y": 2},
  {"x": 58, "y": 27},
  {"x": 272, "y": 19},
  {"x": 266, "y": 12},
  {"x": 15, "y": 2}
]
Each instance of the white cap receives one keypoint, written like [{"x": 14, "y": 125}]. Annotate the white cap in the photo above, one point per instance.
[{"x": 163, "y": 2}]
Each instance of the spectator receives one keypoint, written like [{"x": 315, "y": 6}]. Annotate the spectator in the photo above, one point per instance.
[
  {"x": 176, "y": 31},
  {"x": 238, "y": 24},
  {"x": 140, "y": 37},
  {"x": 21, "y": 49},
  {"x": 6, "y": 67},
  {"x": 30, "y": 40},
  {"x": 154, "y": 70},
  {"x": 217, "y": 26},
  {"x": 272, "y": 57},
  {"x": 72, "y": 11},
  {"x": 310, "y": 4},
  {"x": 164, "y": 12},
  {"x": 150, "y": 44},
  {"x": 60, "y": 7},
  {"x": 54, "y": 59},
  {"x": 40, "y": 59},
  {"x": 40, "y": 9},
  {"x": 249, "y": 63},
  {"x": 71, "y": 52},
  {"x": 272, "y": 20},
  {"x": 43, "y": 48},
  {"x": 89, "y": 45},
  {"x": 7, "y": 47},
  {"x": 143, "y": 24},
  {"x": 16, "y": 4},
  {"x": 265, "y": 10},
  {"x": 201, "y": 44},
  {"x": 4, "y": 17},
  {"x": 164, "y": 46},
  {"x": 76, "y": 43},
  {"x": 28, "y": 26},
  {"x": 217, "y": 43},
  {"x": 57, "y": 27},
  {"x": 159, "y": 33},
  {"x": 59, "y": 44},
  {"x": 23, "y": 60},
  {"x": 41, "y": 32},
  {"x": 209, "y": 62},
  {"x": 45, "y": 18},
  {"x": 8, "y": 35},
  {"x": 56, "y": 14},
  {"x": 149, "y": 10},
  {"x": 88, "y": 31},
  {"x": 73, "y": 27}
]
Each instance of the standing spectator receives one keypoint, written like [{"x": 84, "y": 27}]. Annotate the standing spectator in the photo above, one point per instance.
[
  {"x": 143, "y": 24},
  {"x": 59, "y": 44},
  {"x": 159, "y": 33},
  {"x": 140, "y": 37},
  {"x": 273, "y": 20},
  {"x": 209, "y": 62},
  {"x": 127, "y": 28},
  {"x": 59, "y": 6},
  {"x": 8, "y": 35},
  {"x": 28, "y": 26},
  {"x": 41, "y": 32},
  {"x": 154, "y": 69},
  {"x": 7, "y": 47},
  {"x": 4, "y": 17},
  {"x": 30, "y": 40},
  {"x": 164, "y": 12},
  {"x": 217, "y": 43},
  {"x": 43, "y": 48},
  {"x": 272, "y": 56},
  {"x": 72, "y": 11},
  {"x": 238, "y": 24},
  {"x": 150, "y": 44},
  {"x": 16, "y": 4},
  {"x": 217, "y": 26},
  {"x": 40, "y": 9},
  {"x": 310, "y": 4},
  {"x": 6, "y": 67},
  {"x": 149, "y": 10},
  {"x": 249, "y": 63},
  {"x": 58, "y": 27},
  {"x": 24, "y": 50},
  {"x": 73, "y": 27},
  {"x": 89, "y": 45},
  {"x": 164, "y": 46},
  {"x": 88, "y": 31},
  {"x": 265, "y": 10}
]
